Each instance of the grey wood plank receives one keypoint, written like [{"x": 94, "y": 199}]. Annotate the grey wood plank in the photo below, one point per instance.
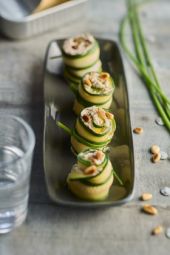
[
  {"x": 55, "y": 230},
  {"x": 50, "y": 229}
]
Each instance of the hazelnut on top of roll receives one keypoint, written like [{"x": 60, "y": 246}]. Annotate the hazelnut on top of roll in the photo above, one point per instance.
[
  {"x": 94, "y": 128},
  {"x": 92, "y": 176},
  {"x": 78, "y": 45},
  {"x": 81, "y": 54},
  {"x": 96, "y": 88}
]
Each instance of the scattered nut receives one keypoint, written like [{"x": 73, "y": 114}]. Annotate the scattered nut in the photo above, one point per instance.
[
  {"x": 138, "y": 130},
  {"x": 86, "y": 118},
  {"x": 104, "y": 76},
  {"x": 109, "y": 115},
  {"x": 90, "y": 170},
  {"x": 75, "y": 47},
  {"x": 155, "y": 149},
  {"x": 87, "y": 82},
  {"x": 102, "y": 114},
  {"x": 150, "y": 210},
  {"x": 146, "y": 196},
  {"x": 156, "y": 158},
  {"x": 157, "y": 230},
  {"x": 98, "y": 155},
  {"x": 87, "y": 42},
  {"x": 79, "y": 40}
]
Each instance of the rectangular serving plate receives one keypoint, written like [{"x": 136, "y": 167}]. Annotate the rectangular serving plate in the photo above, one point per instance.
[
  {"x": 24, "y": 27},
  {"x": 58, "y": 158}
]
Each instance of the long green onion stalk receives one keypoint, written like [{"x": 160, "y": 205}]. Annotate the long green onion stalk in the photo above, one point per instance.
[
  {"x": 142, "y": 60},
  {"x": 64, "y": 127}
]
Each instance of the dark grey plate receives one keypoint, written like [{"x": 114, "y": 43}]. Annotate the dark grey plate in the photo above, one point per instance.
[{"x": 58, "y": 158}]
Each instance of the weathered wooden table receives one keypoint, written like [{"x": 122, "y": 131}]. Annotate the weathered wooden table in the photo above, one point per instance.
[{"x": 51, "y": 229}]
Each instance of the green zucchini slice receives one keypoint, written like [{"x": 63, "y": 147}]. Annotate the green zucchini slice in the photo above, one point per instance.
[
  {"x": 79, "y": 73},
  {"x": 84, "y": 60}
]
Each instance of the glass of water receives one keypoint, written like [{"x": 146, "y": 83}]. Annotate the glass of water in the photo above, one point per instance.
[{"x": 17, "y": 143}]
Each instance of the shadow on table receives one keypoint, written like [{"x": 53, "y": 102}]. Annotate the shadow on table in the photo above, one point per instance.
[{"x": 38, "y": 191}]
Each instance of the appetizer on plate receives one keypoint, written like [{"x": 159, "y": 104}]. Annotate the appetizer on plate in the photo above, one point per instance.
[
  {"x": 92, "y": 176},
  {"x": 94, "y": 128},
  {"x": 96, "y": 88},
  {"x": 89, "y": 133},
  {"x": 80, "y": 55}
]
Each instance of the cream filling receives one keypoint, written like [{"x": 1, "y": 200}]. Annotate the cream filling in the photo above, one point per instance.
[
  {"x": 97, "y": 83},
  {"x": 91, "y": 156},
  {"x": 78, "y": 45},
  {"x": 92, "y": 114}
]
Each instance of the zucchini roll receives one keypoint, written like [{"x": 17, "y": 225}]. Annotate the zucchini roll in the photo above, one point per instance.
[
  {"x": 81, "y": 51},
  {"x": 79, "y": 73},
  {"x": 94, "y": 128},
  {"x": 80, "y": 55},
  {"x": 96, "y": 88},
  {"x": 92, "y": 176}
]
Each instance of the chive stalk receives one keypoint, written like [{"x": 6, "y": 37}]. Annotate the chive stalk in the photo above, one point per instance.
[
  {"x": 142, "y": 61},
  {"x": 64, "y": 127},
  {"x": 117, "y": 177}
]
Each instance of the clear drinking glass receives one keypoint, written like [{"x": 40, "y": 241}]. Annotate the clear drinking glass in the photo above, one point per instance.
[{"x": 17, "y": 142}]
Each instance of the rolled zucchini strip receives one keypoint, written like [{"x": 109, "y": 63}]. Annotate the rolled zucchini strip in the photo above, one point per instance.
[
  {"x": 80, "y": 104},
  {"x": 94, "y": 128},
  {"x": 91, "y": 177},
  {"x": 74, "y": 76},
  {"x": 79, "y": 73},
  {"x": 70, "y": 78},
  {"x": 72, "y": 81},
  {"x": 96, "y": 88},
  {"x": 81, "y": 51}
]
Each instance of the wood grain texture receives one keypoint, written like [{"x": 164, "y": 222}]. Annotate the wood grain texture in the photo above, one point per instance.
[{"x": 51, "y": 229}]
